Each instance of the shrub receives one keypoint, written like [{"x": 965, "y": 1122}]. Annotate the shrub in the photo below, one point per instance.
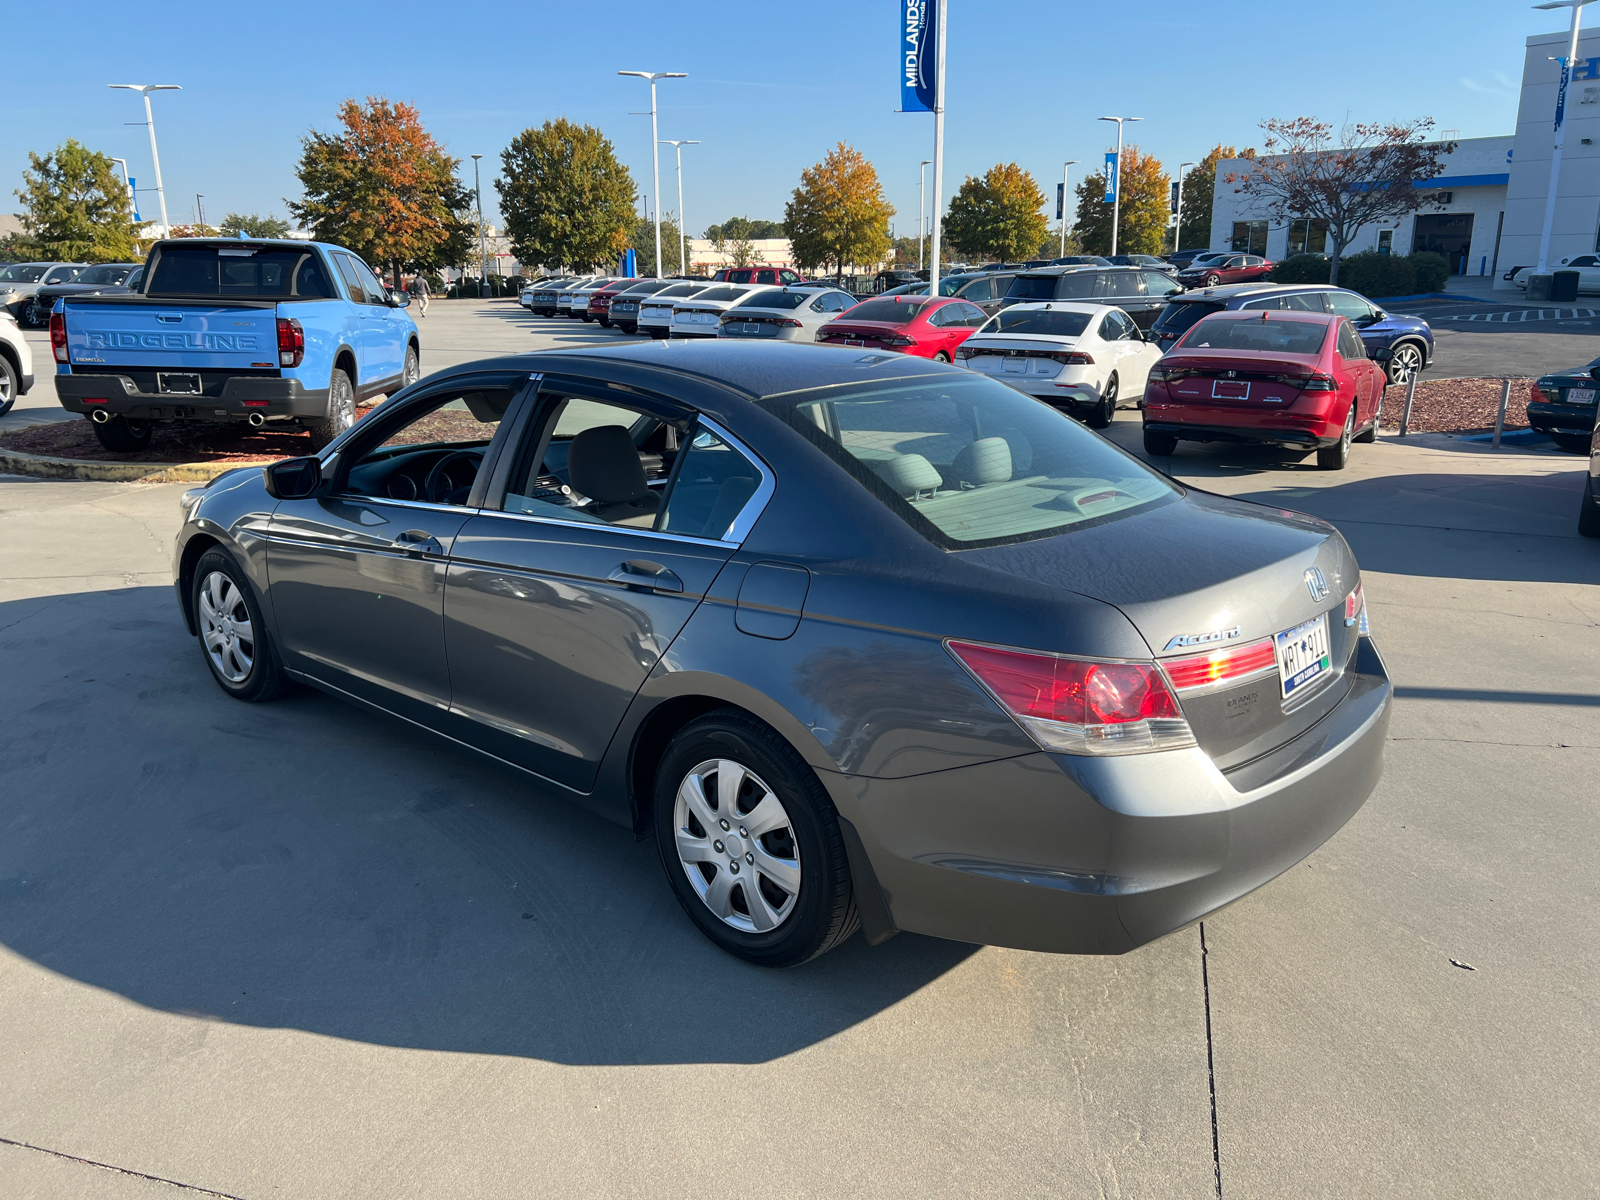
[
  {"x": 1432, "y": 270},
  {"x": 1377, "y": 276},
  {"x": 1302, "y": 268}
]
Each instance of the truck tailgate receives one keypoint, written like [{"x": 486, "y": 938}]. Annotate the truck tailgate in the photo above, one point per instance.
[{"x": 174, "y": 336}]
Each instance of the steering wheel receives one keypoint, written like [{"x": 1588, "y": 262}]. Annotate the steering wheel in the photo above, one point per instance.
[{"x": 440, "y": 486}]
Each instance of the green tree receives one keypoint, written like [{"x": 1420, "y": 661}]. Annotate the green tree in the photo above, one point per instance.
[
  {"x": 566, "y": 199},
  {"x": 1145, "y": 211},
  {"x": 735, "y": 228},
  {"x": 642, "y": 237},
  {"x": 997, "y": 215},
  {"x": 839, "y": 214},
  {"x": 905, "y": 254},
  {"x": 383, "y": 187},
  {"x": 75, "y": 207},
  {"x": 1199, "y": 188},
  {"x": 254, "y": 225}
]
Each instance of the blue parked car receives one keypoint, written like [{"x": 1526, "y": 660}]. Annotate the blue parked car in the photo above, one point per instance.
[
  {"x": 1409, "y": 340},
  {"x": 281, "y": 334}
]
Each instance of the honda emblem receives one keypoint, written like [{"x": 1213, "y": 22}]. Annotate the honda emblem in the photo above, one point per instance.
[{"x": 1316, "y": 584}]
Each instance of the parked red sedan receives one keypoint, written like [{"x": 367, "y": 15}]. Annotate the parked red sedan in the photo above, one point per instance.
[
  {"x": 1236, "y": 268},
  {"x": 909, "y": 324},
  {"x": 600, "y": 301},
  {"x": 1297, "y": 379}
]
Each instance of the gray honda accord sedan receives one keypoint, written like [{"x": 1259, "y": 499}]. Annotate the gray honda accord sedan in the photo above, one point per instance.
[{"x": 859, "y": 639}]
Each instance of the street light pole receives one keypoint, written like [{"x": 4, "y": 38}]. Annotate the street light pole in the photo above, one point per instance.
[
  {"x": 1116, "y": 195},
  {"x": 655, "y": 145},
  {"x": 145, "y": 89},
  {"x": 200, "y": 210},
  {"x": 938, "y": 156},
  {"x": 1065, "y": 201},
  {"x": 483, "y": 245},
  {"x": 1561, "y": 126},
  {"x": 683, "y": 259},
  {"x": 1177, "y": 228},
  {"x": 922, "y": 208}
]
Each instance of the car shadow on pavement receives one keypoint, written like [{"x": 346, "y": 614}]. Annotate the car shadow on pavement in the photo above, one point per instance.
[{"x": 306, "y": 864}]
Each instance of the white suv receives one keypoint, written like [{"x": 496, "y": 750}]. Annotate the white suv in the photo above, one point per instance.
[{"x": 16, "y": 363}]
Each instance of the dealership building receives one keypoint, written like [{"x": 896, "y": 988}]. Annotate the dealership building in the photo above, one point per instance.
[{"x": 1491, "y": 197}]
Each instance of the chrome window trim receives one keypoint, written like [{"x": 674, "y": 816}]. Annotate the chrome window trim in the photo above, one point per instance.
[
  {"x": 427, "y": 504},
  {"x": 594, "y": 525}
]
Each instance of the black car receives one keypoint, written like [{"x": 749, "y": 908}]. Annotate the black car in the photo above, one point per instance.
[
  {"x": 1562, "y": 404},
  {"x": 1140, "y": 260},
  {"x": 1141, "y": 292},
  {"x": 103, "y": 280},
  {"x": 1081, "y": 260},
  {"x": 1182, "y": 258}
]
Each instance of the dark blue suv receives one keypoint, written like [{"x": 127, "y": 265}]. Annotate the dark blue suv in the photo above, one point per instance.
[{"x": 1408, "y": 339}]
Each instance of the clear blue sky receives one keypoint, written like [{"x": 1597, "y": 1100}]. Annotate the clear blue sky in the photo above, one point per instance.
[{"x": 771, "y": 86}]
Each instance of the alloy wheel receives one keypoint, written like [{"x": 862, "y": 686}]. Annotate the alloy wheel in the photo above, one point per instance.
[
  {"x": 736, "y": 845},
  {"x": 1405, "y": 362},
  {"x": 341, "y": 404},
  {"x": 226, "y": 629}
]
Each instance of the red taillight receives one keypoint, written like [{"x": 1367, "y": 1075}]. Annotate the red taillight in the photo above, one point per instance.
[
  {"x": 58, "y": 336},
  {"x": 291, "y": 342},
  {"x": 1320, "y": 383},
  {"x": 1535, "y": 396},
  {"x": 1080, "y": 707},
  {"x": 1219, "y": 666},
  {"x": 1355, "y": 611},
  {"x": 788, "y": 322},
  {"x": 1076, "y": 358},
  {"x": 898, "y": 339}
]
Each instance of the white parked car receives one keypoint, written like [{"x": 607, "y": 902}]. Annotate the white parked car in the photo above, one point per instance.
[
  {"x": 655, "y": 312},
  {"x": 789, "y": 314},
  {"x": 16, "y": 363},
  {"x": 19, "y": 281},
  {"x": 1085, "y": 359},
  {"x": 1586, "y": 265},
  {"x": 569, "y": 293},
  {"x": 700, "y": 315}
]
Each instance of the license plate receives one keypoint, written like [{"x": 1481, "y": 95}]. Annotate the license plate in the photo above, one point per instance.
[
  {"x": 1230, "y": 389},
  {"x": 851, "y": 342},
  {"x": 188, "y": 385},
  {"x": 1015, "y": 365},
  {"x": 749, "y": 329},
  {"x": 1303, "y": 654},
  {"x": 1580, "y": 395}
]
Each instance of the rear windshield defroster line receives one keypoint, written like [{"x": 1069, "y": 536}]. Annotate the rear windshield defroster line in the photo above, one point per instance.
[{"x": 968, "y": 462}]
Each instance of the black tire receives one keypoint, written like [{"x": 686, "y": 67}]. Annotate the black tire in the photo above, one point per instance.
[
  {"x": 32, "y": 318},
  {"x": 1159, "y": 444},
  {"x": 1589, "y": 510},
  {"x": 1102, "y": 414},
  {"x": 1404, "y": 362},
  {"x": 1572, "y": 443},
  {"x": 124, "y": 435},
  {"x": 264, "y": 678},
  {"x": 1213, "y": 280},
  {"x": 10, "y": 385},
  {"x": 341, "y": 412},
  {"x": 1370, "y": 433},
  {"x": 941, "y": 356},
  {"x": 587, "y": 318},
  {"x": 822, "y": 913},
  {"x": 605, "y": 322},
  {"x": 412, "y": 371},
  {"x": 1334, "y": 457}
]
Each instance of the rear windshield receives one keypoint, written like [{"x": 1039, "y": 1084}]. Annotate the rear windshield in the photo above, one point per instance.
[
  {"x": 895, "y": 312},
  {"x": 1039, "y": 320},
  {"x": 1180, "y": 314},
  {"x": 112, "y": 275},
  {"x": 778, "y": 298},
  {"x": 245, "y": 273},
  {"x": 721, "y": 295},
  {"x": 1075, "y": 286},
  {"x": 680, "y": 289},
  {"x": 23, "y": 273},
  {"x": 1253, "y": 333},
  {"x": 645, "y": 289},
  {"x": 968, "y": 461}
]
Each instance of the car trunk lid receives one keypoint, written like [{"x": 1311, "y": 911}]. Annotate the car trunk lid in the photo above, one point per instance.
[
  {"x": 1229, "y": 379},
  {"x": 171, "y": 334}
]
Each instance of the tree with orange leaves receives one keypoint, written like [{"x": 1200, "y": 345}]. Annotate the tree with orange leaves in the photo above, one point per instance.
[{"x": 383, "y": 187}]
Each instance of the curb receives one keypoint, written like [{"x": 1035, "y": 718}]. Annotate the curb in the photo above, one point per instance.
[
  {"x": 14, "y": 462},
  {"x": 1433, "y": 296}
]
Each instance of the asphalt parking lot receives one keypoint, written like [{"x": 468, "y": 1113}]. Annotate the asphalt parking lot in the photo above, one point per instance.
[{"x": 294, "y": 950}]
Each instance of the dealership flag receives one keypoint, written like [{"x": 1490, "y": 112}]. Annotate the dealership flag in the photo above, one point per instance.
[
  {"x": 918, "y": 66},
  {"x": 1061, "y": 199},
  {"x": 1111, "y": 176}
]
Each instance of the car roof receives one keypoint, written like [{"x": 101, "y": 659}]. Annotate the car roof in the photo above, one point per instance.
[
  {"x": 1239, "y": 291},
  {"x": 1273, "y": 315},
  {"x": 1062, "y": 306}
]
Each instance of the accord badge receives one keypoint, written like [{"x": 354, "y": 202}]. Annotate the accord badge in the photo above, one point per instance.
[{"x": 1201, "y": 639}]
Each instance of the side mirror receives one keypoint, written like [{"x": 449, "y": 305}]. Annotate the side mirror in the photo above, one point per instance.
[
  {"x": 399, "y": 299},
  {"x": 293, "y": 478},
  {"x": 1382, "y": 354}
]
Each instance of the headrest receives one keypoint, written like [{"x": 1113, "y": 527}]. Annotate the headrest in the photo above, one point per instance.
[
  {"x": 908, "y": 474},
  {"x": 603, "y": 464},
  {"x": 987, "y": 460}
]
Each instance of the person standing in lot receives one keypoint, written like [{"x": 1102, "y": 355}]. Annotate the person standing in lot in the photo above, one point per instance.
[{"x": 419, "y": 292}]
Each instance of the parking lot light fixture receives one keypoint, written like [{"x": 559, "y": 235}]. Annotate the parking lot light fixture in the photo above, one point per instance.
[
  {"x": 1561, "y": 126},
  {"x": 145, "y": 89},
  {"x": 1177, "y": 225},
  {"x": 1116, "y": 195},
  {"x": 1065, "y": 201},
  {"x": 655, "y": 144},
  {"x": 683, "y": 252}
]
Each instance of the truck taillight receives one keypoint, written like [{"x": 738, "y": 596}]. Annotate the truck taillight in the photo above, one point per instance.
[
  {"x": 291, "y": 342},
  {"x": 58, "y": 336}
]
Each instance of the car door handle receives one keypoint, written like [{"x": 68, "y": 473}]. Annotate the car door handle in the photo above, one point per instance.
[
  {"x": 418, "y": 541},
  {"x": 643, "y": 574}
]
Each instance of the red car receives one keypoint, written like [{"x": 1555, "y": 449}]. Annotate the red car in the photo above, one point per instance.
[
  {"x": 910, "y": 324},
  {"x": 600, "y": 301},
  {"x": 1236, "y": 268},
  {"x": 1275, "y": 377},
  {"x": 777, "y": 276}
]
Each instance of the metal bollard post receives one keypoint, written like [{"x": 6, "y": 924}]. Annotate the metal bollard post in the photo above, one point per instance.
[
  {"x": 1500, "y": 417},
  {"x": 1405, "y": 413}
]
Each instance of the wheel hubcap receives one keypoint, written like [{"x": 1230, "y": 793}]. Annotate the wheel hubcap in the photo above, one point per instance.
[
  {"x": 225, "y": 628},
  {"x": 1407, "y": 362},
  {"x": 736, "y": 845}
]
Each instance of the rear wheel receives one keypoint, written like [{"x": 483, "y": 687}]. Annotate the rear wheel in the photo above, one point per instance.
[
  {"x": 1589, "y": 510},
  {"x": 233, "y": 637},
  {"x": 9, "y": 385},
  {"x": 941, "y": 357},
  {"x": 1159, "y": 444},
  {"x": 1334, "y": 457},
  {"x": 124, "y": 435},
  {"x": 1572, "y": 443},
  {"x": 341, "y": 410},
  {"x": 413, "y": 368},
  {"x": 750, "y": 842},
  {"x": 1101, "y": 415}
]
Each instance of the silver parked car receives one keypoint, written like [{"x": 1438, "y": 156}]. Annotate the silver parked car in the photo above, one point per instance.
[
  {"x": 20, "y": 281},
  {"x": 860, "y": 640},
  {"x": 788, "y": 314},
  {"x": 655, "y": 312}
]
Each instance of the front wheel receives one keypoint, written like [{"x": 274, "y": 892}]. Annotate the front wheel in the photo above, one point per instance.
[
  {"x": 1213, "y": 280},
  {"x": 341, "y": 411},
  {"x": 1159, "y": 444},
  {"x": 413, "y": 368},
  {"x": 1100, "y": 416},
  {"x": 1404, "y": 362},
  {"x": 750, "y": 842},
  {"x": 10, "y": 385},
  {"x": 1589, "y": 511},
  {"x": 1572, "y": 443},
  {"x": 233, "y": 637},
  {"x": 1334, "y": 457},
  {"x": 124, "y": 435}
]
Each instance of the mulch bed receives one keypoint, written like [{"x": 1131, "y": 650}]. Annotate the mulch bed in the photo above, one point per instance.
[
  {"x": 1457, "y": 405},
  {"x": 179, "y": 442}
]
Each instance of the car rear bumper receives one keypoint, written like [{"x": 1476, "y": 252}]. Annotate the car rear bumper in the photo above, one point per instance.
[
  {"x": 1087, "y": 855},
  {"x": 238, "y": 398},
  {"x": 1301, "y": 435},
  {"x": 1562, "y": 418}
]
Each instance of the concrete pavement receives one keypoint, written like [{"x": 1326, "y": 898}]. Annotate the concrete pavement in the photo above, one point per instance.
[{"x": 297, "y": 950}]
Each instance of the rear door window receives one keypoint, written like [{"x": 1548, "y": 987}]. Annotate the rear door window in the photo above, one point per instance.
[
  {"x": 1272, "y": 303},
  {"x": 982, "y": 289},
  {"x": 1121, "y": 283},
  {"x": 766, "y": 277},
  {"x": 1303, "y": 302},
  {"x": 1178, "y": 316}
]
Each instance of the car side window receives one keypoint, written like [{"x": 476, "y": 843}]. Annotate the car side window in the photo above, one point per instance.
[
  {"x": 1303, "y": 302},
  {"x": 982, "y": 289},
  {"x": 1156, "y": 283},
  {"x": 788, "y": 277},
  {"x": 766, "y": 277},
  {"x": 1121, "y": 283},
  {"x": 970, "y": 315},
  {"x": 1350, "y": 345},
  {"x": 352, "y": 281},
  {"x": 1272, "y": 303},
  {"x": 710, "y": 488},
  {"x": 434, "y": 452},
  {"x": 1347, "y": 304}
]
